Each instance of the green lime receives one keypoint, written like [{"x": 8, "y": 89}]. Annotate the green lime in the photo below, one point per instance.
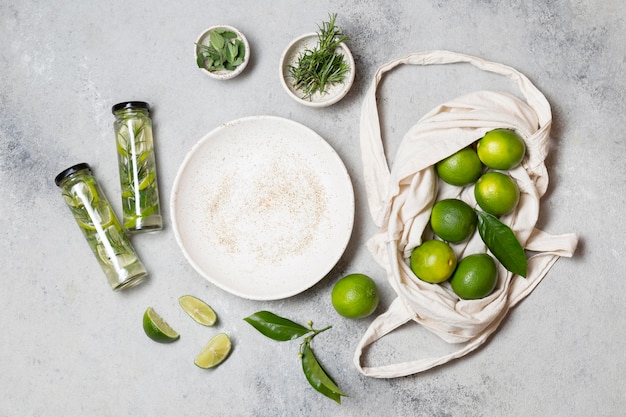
[
  {"x": 214, "y": 352},
  {"x": 501, "y": 149},
  {"x": 433, "y": 261},
  {"x": 475, "y": 277},
  {"x": 355, "y": 296},
  {"x": 496, "y": 193},
  {"x": 461, "y": 168},
  {"x": 453, "y": 220},
  {"x": 198, "y": 310},
  {"x": 157, "y": 329}
]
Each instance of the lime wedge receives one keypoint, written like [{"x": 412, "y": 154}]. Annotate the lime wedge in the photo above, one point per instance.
[
  {"x": 198, "y": 310},
  {"x": 157, "y": 329},
  {"x": 214, "y": 352}
]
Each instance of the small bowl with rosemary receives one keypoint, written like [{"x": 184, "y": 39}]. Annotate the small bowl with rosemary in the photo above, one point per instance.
[
  {"x": 317, "y": 69},
  {"x": 222, "y": 52}
]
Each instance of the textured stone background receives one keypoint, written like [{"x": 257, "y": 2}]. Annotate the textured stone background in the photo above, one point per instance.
[{"x": 72, "y": 347}]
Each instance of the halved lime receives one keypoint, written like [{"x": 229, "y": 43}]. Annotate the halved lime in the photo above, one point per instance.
[
  {"x": 157, "y": 329},
  {"x": 198, "y": 310},
  {"x": 214, "y": 352}
]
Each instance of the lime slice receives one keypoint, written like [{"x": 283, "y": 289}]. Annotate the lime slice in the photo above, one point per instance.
[
  {"x": 118, "y": 258},
  {"x": 214, "y": 352},
  {"x": 198, "y": 310},
  {"x": 82, "y": 194},
  {"x": 146, "y": 181},
  {"x": 100, "y": 213},
  {"x": 157, "y": 329},
  {"x": 122, "y": 142}
]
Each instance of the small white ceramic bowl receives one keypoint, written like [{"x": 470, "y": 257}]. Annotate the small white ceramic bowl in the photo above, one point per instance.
[
  {"x": 203, "y": 39},
  {"x": 333, "y": 93}
]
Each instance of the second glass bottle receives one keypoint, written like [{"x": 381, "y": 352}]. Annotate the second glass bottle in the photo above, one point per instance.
[{"x": 137, "y": 167}]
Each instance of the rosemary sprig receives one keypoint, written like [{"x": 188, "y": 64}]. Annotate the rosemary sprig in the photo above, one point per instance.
[{"x": 321, "y": 66}]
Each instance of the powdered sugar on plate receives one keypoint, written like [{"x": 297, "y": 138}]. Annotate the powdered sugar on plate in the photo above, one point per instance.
[{"x": 263, "y": 207}]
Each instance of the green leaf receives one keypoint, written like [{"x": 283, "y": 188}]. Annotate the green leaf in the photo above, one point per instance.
[
  {"x": 317, "y": 377},
  {"x": 502, "y": 242},
  {"x": 241, "y": 49},
  {"x": 276, "y": 327},
  {"x": 228, "y": 34},
  {"x": 231, "y": 52},
  {"x": 216, "y": 40},
  {"x": 200, "y": 60}
]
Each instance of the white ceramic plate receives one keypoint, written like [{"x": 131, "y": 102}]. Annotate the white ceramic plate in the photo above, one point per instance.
[
  {"x": 262, "y": 207},
  {"x": 333, "y": 93}
]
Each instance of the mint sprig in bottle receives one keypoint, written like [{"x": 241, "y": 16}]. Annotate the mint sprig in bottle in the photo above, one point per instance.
[
  {"x": 137, "y": 167},
  {"x": 101, "y": 228}
]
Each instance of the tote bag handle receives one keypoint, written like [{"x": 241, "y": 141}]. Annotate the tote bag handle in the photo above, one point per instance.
[{"x": 376, "y": 169}]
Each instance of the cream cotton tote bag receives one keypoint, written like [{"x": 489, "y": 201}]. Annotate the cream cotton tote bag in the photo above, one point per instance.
[{"x": 400, "y": 200}]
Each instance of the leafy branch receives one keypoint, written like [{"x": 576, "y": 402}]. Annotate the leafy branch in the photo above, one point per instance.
[{"x": 282, "y": 329}]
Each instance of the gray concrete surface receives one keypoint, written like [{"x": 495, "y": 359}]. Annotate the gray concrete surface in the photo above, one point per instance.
[{"x": 72, "y": 347}]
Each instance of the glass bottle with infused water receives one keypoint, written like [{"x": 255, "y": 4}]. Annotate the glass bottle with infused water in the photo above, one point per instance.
[
  {"x": 137, "y": 167},
  {"x": 101, "y": 228}
]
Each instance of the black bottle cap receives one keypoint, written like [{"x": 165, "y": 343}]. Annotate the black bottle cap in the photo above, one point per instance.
[
  {"x": 69, "y": 171},
  {"x": 130, "y": 105}
]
